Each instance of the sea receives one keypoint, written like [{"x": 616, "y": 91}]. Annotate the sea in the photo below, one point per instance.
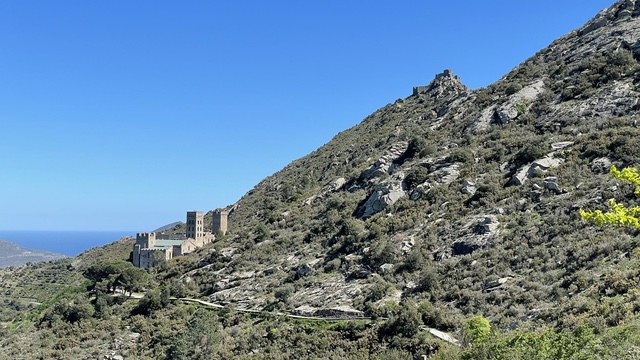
[{"x": 70, "y": 243}]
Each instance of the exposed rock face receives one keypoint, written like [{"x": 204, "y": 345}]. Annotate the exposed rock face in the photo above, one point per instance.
[
  {"x": 561, "y": 145},
  {"x": 447, "y": 174},
  {"x": 601, "y": 164},
  {"x": 333, "y": 187},
  {"x": 528, "y": 171},
  {"x": 444, "y": 86},
  {"x": 337, "y": 312},
  {"x": 480, "y": 234},
  {"x": 383, "y": 165},
  {"x": 383, "y": 195},
  {"x": 420, "y": 191},
  {"x": 482, "y": 122},
  {"x": 487, "y": 226},
  {"x": 519, "y": 101},
  {"x": 550, "y": 183},
  {"x": 468, "y": 187},
  {"x": 386, "y": 268}
]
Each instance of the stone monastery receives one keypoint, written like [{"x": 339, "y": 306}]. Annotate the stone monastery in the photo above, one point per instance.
[{"x": 152, "y": 248}]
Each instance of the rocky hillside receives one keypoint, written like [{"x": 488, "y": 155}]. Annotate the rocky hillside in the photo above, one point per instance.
[
  {"x": 441, "y": 206},
  {"x": 464, "y": 198},
  {"x": 11, "y": 254}
]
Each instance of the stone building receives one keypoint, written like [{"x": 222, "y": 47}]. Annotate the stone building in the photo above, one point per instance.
[
  {"x": 151, "y": 248},
  {"x": 219, "y": 222}
]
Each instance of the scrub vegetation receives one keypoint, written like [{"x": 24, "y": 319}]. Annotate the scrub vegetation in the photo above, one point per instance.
[{"x": 452, "y": 209}]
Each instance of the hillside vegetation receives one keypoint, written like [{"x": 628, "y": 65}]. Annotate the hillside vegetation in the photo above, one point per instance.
[{"x": 450, "y": 209}]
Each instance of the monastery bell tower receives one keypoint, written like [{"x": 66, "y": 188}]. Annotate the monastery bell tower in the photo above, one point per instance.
[{"x": 195, "y": 225}]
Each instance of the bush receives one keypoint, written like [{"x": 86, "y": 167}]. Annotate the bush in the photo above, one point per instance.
[
  {"x": 477, "y": 330},
  {"x": 405, "y": 322},
  {"x": 416, "y": 176},
  {"x": 461, "y": 155}
]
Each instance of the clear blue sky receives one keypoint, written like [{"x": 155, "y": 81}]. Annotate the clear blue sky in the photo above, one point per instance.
[{"x": 103, "y": 103}]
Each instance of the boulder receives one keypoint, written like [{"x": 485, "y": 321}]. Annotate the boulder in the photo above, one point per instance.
[
  {"x": 600, "y": 165},
  {"x": 420, "y": 191},
  {"x": 304, "y": 270},
  {"x": 386, "y": 268},
  {"x": 480, "y": 235},
  {"x": 444, "y": 336},
  {"x": 335, "y": 185},
  {"x": 383, "y": 195},
  {"x": 496, "y": 283},
  {"x": 487, "y": 226},
  {"x": 407, "y": 245},
  {"x": 468, "y": 188},
  {"x": 482, "y": 122},
  {"x": 561, "y": 145},
  {"x": 528, "y": 171},
  {"x": 551, "y": 184},
  {"x": 447, "y": 174},
  {"x": 527, "y": 95},
  {"x": 505, "y": 114},
  {"x": 547, "y": 162}
]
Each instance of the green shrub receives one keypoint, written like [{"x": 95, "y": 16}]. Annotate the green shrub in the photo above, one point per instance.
[{"x": 477, "y": 330}]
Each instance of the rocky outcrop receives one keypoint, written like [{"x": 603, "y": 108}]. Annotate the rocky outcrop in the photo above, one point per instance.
[
  {"x": 518, "y": 103},
  {"x": 482, "y": 122},
  {"x": 420, "y": 191},
  {"x": 551, "y": 183},
  {"x": 528, "y": 171},
  {"x": 334, "y": 186},
  {"x": 384, "y": 165},
  {"x": 468, "y": 187},
  {"x": 337, "y": 312},
  {"x": 497, "y": 283},
  {"x": 561, "y": 145},
  {"x": 446, "y": 174},
  {"x": 481, "y": 231},
  {"x": 601, "y": 164},
  {"x": 514, "y": 106},
  {"x": 383, "y": 195}
]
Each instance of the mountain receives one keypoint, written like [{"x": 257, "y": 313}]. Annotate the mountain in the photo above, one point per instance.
[
  {"x": 441, "y": 206},
  {"x": 11, "y": 254},
  {"x": 442, "y": 194},
  {"x": 168, "y": 226}
]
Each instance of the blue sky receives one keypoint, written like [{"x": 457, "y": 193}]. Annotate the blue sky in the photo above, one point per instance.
[{"x": 102, "y": 104}]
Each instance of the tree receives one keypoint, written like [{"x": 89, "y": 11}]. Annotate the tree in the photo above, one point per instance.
[
  {"x": 477, "y": 330},
  {"x": 133, "y": 278},
  {"x": 618, "y": 214},
  {"x": 110, "y": 275},
  {"x": 406, "y": 322}
]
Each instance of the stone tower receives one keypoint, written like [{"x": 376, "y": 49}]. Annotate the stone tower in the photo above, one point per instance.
[
  {"x": 219, "y": 221},
  {"x": 195, "y": 226}
]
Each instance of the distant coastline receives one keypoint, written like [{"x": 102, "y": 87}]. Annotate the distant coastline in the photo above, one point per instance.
[{"x": 70, "y": 243}]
